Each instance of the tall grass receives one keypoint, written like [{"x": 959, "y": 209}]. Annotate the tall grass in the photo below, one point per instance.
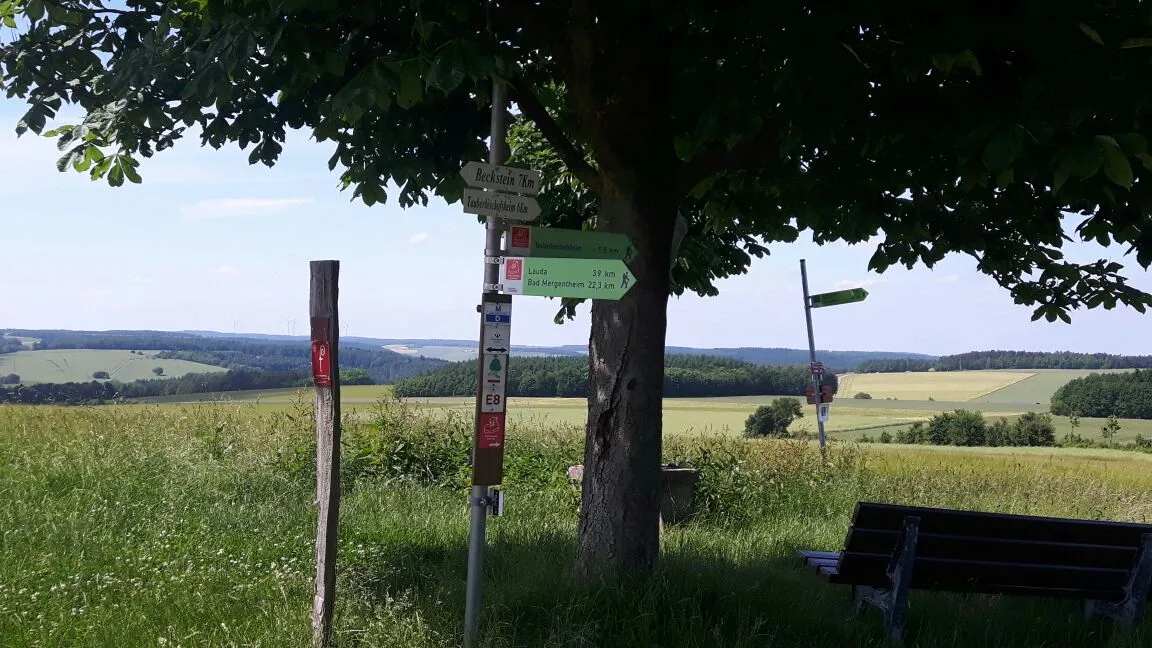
[{"x": 141, "y": 526}]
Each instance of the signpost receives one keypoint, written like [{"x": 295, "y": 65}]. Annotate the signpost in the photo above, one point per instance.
[
  {"x": 819, "y": 395},
  {"x": 578, "y": 278},
  {"x": 528, "y": 241},
  {"x": 838, "y": 298},
  {"x": 489, "y": 203},
  {"x": 323, "y": 311},
  {"x": 540, "y": 261},
  {"x": 500, "y": 178}
]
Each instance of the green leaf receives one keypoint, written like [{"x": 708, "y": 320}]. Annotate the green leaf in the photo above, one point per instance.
[
  {"x": 968, "y": 59},
  {"x": 1059, "y": 177},
  {"x": 448, "y": 71},
  {"x": 683, "y": 146},
  {"x": 1081, "y": 160},
  {"x": 1145, "y": 159},
  {"x": 130, "y": 171},
  {"x": 1133, "y": 143},
  {"x": 1004, "y": 147},
  {"x": 411, "y": 89},
  {"x": 1005, "y": 177},
  {"x": 1091, "y": 33},
  {"x": 116, "y": 176},
  {"x": 335, "y": 62},
  {"x": 1132, "y": 43},
  {"x": 34, "y": 120},
  {"x": 1116, "y": 165}
]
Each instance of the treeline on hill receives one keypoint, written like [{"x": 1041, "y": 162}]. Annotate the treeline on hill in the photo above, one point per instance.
[
  {"x": 567, "y": 377},
  {"x": 97, "y": 392},
  {"x": 970, "y": 428},
  {"x": 1123, "y": 395},
  {"x": 382, "y": 365},
  {"x": 10, "y": 345},
  {"x": 1010, "y": 360}
]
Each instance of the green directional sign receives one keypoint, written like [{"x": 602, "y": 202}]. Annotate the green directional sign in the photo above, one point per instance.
[
  {"x": 837, "y": 298},
  {"x": 577, "y": 278},
  {"x": 568, "y": 244}
]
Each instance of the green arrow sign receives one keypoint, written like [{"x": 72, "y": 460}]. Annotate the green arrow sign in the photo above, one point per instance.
[
  {"x": 837, "y": 298},
  {"x": 568, "y": 244},
  {"x": 578, "y": 278}
]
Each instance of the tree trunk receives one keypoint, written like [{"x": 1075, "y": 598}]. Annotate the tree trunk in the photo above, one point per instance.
[{"x": 619, "y": 512}]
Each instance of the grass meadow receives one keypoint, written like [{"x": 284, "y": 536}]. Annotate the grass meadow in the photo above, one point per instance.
[
  {"x": 850, "y": 418},
  {"x": 78, "y": 365},
  {"x": 193, "y": 525}
]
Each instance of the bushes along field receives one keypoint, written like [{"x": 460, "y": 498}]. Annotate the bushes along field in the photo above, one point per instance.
[{"x": 142, "y": 526}]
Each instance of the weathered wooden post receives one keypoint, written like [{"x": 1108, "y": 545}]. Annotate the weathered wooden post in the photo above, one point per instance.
[{"x": 325, "y": 322}]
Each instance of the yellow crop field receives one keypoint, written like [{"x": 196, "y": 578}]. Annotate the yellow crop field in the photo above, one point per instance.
[{"x": 956, "y": 386}]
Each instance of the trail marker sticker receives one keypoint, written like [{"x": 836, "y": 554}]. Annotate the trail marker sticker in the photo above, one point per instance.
[
  {"x": 497, "y": 327},
  {"x": 322, "y": 363},
  {"x": 493, "y": 382},
  {"x": 491, "y": 431}
]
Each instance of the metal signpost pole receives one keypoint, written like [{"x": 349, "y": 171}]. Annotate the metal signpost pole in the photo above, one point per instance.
[
  {"x": 812, "y": 354},
  {"x": 479, "y": 499}
]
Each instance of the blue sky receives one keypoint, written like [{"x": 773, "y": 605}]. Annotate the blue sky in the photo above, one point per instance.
[{"x": 209, "y": 242}]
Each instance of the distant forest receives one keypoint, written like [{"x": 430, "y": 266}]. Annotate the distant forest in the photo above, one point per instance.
[
  {"x": 10, "y": 345},
  {"x": 835, "y": 360},
  {"x": 1010, "y": 360},
  {"x": 96, "y": 392},
  {"x": 695, "y": 376},
  {"x": 1123, "y": 395},
  {"x": 382, "y": 365}
]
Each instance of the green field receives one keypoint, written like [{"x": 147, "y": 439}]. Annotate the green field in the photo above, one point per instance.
[
  {"x": 923, "y": 385},
  {"x": 1037, "y": 388},
  {"x": 849, "y": 418},
  {"x": 78, "y": 365},
  {"x": 143, "y": 526}
]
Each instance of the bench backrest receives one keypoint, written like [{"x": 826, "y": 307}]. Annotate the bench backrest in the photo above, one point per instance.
[{"x": 994, "y": 552}]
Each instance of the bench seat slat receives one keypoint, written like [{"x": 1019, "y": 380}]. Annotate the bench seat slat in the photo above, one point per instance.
[
  {"x": 888, "y": 517},
  {"x": 807, "y": 556},
  {"x": 1041, "y": 552},
  {"x": 941, "y": 573}
]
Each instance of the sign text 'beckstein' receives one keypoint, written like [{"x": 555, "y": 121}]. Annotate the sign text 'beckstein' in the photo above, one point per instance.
[{"x": 501, "y": 178}]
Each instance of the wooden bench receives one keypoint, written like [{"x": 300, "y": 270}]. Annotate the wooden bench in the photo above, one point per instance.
[{"x": 891, "y": 549}]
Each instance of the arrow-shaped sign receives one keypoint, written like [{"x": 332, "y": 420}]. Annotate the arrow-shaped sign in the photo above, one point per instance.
[
  {"x": 501, "y": 178},
  {"x": 837, "y": 298},
  {"x": 577, "y": 278},
  {"x": 568, "y": 244},
  {"x": 500, "y": 205}
]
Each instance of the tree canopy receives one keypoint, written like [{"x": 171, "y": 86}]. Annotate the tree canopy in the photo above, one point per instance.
[
  {"x": 950, "y": 127},
  {"x": 958, "y": 127}
]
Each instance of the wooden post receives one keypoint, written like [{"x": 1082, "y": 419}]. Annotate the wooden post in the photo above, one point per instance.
[{"x": 325, "y": 321}]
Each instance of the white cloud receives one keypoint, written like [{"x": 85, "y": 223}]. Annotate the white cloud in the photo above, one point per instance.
[
  {"x": 235, "y": 207},
  {"x": 418, "y": 238},
  {"x": 225, "y": 270},
  {"x": 856, "y": 283},
  {"x": 948, "y": 278},
  {"x": 97, "y": 293},
  {"x": 140, "y": 280}
]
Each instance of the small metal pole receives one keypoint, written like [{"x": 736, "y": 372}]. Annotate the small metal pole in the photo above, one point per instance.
[
  {"x": 812, "y": 355},
  {"x": 493, "y": 232}
]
